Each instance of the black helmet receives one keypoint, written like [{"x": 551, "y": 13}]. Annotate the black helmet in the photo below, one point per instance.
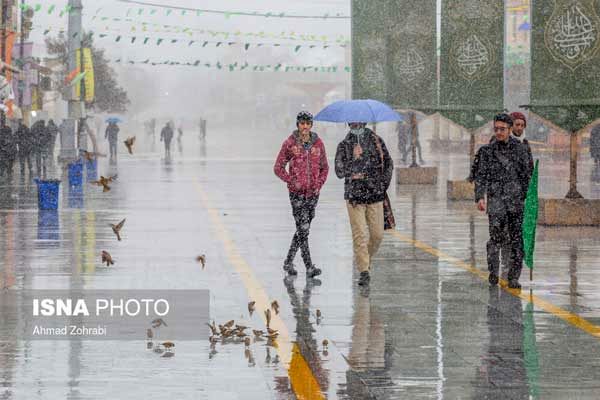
[{"x": 304, "y": 116}]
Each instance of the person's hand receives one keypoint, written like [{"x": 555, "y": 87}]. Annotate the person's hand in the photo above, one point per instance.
[
  {"x": 358, "y": 176},
  {"x": 481, "y": 205},
  {"x": 357, "y": 151}
]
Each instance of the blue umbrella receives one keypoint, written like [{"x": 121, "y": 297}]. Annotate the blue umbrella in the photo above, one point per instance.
[
  {"x": 358, "y": 111},
  {"x": 115, "y": 120}
]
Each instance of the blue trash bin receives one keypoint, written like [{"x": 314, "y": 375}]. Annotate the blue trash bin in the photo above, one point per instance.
[
  {"x": 91, "y": 167},
  {"x": 76, "y": 173},
  {"x": 47, "y": 193}
]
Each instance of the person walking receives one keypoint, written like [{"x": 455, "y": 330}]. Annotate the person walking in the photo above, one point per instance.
[
  {"x": 166, "y": 134},
  {"x": 501, "y": 182},
  {"x": 51, "y": 141},
  {"x": 518, "y": 132},
  {"x": 112, "y": 134},
  {"x": 403, "y": 133},
  {"x": 363, "y": 161},
  {"x": 40, "y": 147},
  {"x": 25, "y": 145},
  {"x": 303, "y": 152},
  {"x": 8, "y": 151}
]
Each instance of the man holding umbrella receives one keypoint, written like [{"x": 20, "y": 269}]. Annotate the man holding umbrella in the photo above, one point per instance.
[{"x": 363, "y": 161}]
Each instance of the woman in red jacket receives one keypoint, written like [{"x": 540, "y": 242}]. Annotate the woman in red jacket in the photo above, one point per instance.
[{"x": 304, "y": 151}]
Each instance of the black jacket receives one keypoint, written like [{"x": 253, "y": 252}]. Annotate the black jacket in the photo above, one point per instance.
[
  {"x": 25, "y": 140},
  {"x": 372, "y": 188},
  {"x": 8, "y": 143},
  {"x": 503, "y": 174},
  {"x": 475, "y": 165}
]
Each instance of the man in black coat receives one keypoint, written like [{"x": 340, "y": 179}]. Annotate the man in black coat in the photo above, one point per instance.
[
  {"x": 40, "y": 146},
  {"x": 8, "y": 151},
  {"x": 25, "y": 143},
  {"x": 364, "y": 163},
  {"x": 166, "y": 134},
  {"x": 503, "y": 176}
]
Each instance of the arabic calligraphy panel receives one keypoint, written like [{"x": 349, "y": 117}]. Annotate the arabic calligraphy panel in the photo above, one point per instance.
[{"x": 572, "y": 34}]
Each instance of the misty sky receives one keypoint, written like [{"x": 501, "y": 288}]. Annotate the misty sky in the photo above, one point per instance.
[{"x": 199, "y": 80}]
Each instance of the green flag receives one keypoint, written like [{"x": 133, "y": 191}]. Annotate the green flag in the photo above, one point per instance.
[
  {"x": 530, "y": 217},
  {"x": 77, "y": 79}
]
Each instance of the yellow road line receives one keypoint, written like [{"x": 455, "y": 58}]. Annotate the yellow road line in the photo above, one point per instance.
[
  {"x": 302, "y": 379},
  {"x": 561, "y": 313}
]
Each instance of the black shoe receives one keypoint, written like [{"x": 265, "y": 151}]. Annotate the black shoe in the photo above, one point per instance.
[
  {"x": 289, "y": 269},
  {"x": 514, "y": 284},
  {"x": 493, "y": 279},
  {"x": 364, "y": 278},
  {"x": 312, "y": 271}
]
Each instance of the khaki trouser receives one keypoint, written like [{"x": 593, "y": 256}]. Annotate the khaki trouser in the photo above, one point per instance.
[{"x": 366, "y": 221}]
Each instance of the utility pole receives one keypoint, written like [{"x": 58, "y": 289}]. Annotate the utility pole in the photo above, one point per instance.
[
  {"x": 4, "y": 7},
  {"x": 21, "y": 54},
  {"x": 69, "y": 144}
]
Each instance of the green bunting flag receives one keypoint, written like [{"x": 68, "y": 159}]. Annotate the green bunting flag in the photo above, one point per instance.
[
  {"x": 235, "y": 66},
  {"x": 530, "y": 217}
]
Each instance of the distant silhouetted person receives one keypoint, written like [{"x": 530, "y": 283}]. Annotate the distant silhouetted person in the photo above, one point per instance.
[
  {"x": 166, "y": 134},
  {"x": 112, "y": 134}
]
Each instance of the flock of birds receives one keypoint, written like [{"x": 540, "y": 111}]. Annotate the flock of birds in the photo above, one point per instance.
[
  {"x": 164, "y": 348},
  {"x": 230, "y": 332}
]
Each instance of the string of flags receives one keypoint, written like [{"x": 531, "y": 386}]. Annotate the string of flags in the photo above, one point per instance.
[
  {"x": 166, "y": 28},
  {"x": 51, "y": 8},
  {"x": 238, "y": 66},
  {"x": 183, "y": 11},
  {"x": 169, "y": 10},
  {"x": 118, "y": 37}
]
